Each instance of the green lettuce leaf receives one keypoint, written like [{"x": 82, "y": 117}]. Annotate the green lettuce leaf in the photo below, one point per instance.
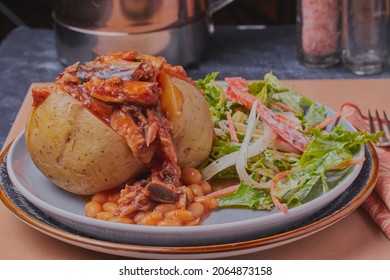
[
  {"x": 325, "y": 151},
  {"x": 271, "y": 89},
  {"x": 316, "y": 114},
  {"x": 214, "y": 96},
  {"x": 246, "y": 196}
]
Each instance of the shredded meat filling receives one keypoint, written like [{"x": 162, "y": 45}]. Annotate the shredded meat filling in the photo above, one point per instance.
[
  {"x": 122, "y": 90},
  {"x": 39, "y": 95}
]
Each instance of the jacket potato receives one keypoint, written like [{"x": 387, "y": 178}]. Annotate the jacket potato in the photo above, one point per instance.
[{"x": 111, "y": 120}]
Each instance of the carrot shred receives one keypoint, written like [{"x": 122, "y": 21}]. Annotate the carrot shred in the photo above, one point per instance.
[
  {"x": 224, "y": 191},
  {"x": 326, "y": 122},
  {"x": 284, "y": 107},
  {"x": 352, "y": 161},
  {"x": 281, "y": 206},
  {"x": 329, "y": 120},
  {"x": 343, "y": 113},
  {"x": 232, "y": 129}
]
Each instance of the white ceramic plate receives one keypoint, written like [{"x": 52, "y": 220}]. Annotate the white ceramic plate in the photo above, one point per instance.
[{"x": 223, "y": 226}]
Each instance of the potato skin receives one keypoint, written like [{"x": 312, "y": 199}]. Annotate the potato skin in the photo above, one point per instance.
[
  {"x": 193, "y": 129},
  {"x": 75, "y": 149}
]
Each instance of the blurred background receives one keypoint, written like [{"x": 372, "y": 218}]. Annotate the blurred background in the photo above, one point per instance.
[{"x": 37, "y": 13}]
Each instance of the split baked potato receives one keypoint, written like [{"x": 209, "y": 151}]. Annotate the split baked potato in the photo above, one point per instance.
[{"x": 72, "y": 143}]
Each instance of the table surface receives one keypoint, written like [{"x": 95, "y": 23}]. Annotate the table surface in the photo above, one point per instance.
[{"x": 354, "y": 237}]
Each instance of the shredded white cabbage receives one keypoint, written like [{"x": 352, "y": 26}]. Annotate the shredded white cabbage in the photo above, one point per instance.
[
  {"x": 224, "y": 162},
  {"x": 240, "y": 128},
  {"x": 240, "y": 157}
]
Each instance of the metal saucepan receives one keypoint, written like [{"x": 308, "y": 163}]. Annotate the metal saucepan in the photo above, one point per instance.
[{"x": 176, "y": 29}]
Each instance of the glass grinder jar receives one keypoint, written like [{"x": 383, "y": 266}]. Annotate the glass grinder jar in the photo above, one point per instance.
[{"x": 318, "y": 32}]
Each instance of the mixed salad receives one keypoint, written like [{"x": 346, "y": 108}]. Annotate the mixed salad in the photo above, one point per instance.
[{"x": 281, "y": 145}]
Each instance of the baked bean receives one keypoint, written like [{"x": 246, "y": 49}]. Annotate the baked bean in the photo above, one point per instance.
[
  {"x": 104, "y": 205},
  {"x": 193, "y": 222},
  {"x": 190, "y": 176},
  {"x": 111, "y": 207},
  {"x": 123, "y": 220},
  {"x": 113, "y": 197},
  {"x": 205, "y": 200},
  {"x": 156, "y": 215},
  {"x": 139, "y": 215},
  {"x": 197, "y": 209},
  {"x": 151, "y": 219},
  {"x": 165, "y": 207},
  {"x": 206, "y": 187},
  {"x": 196, "y": 189},
  {"x": 104, "y": 215},
  {"x": 166, "y": 222},
  {"x": 190, "y": 194},
  {"x": 179, "y": 215},
  {"x": 100, "y": 197},
  {"x": 213, "y": 203},
  {"x": 92, "y": 208}
]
